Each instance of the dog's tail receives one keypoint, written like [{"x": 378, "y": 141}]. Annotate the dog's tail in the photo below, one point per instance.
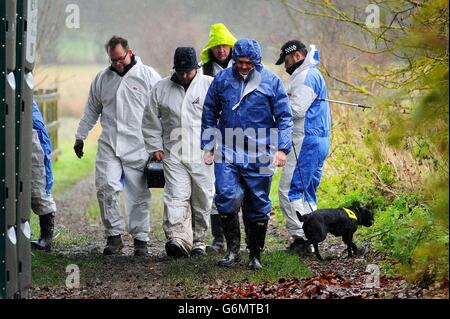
[{"x": 302, "y": 218}]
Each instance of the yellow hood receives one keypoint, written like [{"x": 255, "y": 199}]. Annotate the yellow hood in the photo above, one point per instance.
[{"x": 218, "y": 35}]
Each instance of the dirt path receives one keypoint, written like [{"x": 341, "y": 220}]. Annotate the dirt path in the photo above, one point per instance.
[
  {"x": 122, "y": 276},
  {"x": 126, "y": 276},
  {"x": 72, "y": 206}
]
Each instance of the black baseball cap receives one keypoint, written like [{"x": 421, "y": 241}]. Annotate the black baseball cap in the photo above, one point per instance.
[
  {"x": 289, "y": 48},
  {"x": 185, "y": 59}
]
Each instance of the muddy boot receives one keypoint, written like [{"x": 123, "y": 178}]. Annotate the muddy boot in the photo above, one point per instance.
[
  {"x": 299, "y": 247},
  {"x": 47, "y": 224},
  {"x": 218, "y": 244},
  {"x": 140, "y": 248},
  {"x": 295, "y": 245},
  {"x": 306, "y": 250},
  {"x": 198, "y": 249},
  {"x": 256, "y": 237},
  {"x": 246, "y": 230},
  {"x": 114, "y": 245},
  {"x": 199, "y": 252},
  {"x": 232, "y": 232},
  {"x": 175, "y": 250}
]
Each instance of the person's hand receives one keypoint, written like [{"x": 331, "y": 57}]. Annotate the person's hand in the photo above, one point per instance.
[
  {"x": 158, "y": 155},
  {"x": 208, "y": 157},
  {"x": 279, "y": 159},
  {"x": 78, "y": 148}
]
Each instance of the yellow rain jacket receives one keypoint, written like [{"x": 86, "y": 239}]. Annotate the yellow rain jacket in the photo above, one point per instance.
[{"x": 218, "y": 35}]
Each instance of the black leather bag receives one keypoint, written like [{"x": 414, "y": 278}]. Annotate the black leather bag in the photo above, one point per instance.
[{"x": 154, "y": 173}]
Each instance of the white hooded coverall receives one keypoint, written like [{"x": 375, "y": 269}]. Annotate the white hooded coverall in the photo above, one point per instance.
[
  {"x": 121, "y": 156},
  {"x": 172, "y": 123}
]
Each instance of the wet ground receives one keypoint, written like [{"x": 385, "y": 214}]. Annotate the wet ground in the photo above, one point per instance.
[{"x": 126, "y": 276}]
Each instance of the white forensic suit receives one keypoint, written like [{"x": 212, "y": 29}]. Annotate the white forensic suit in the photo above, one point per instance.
[
  {"x": 311, "y": 141},
  {"x": 172, "y": 123},
  {"x": 121, "y": 156}
]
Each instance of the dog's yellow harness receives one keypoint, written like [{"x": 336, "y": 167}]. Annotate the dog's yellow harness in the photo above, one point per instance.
[{"x": 350, "y": 214}]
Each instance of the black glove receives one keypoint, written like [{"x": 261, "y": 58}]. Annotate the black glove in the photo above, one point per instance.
[{"x": 78, "y": 147}]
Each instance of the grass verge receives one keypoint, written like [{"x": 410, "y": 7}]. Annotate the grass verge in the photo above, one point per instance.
[{"x": 49, "y": 269}]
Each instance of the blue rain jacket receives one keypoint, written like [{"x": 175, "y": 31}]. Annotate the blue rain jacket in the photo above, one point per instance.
[
  {"x": 39, "y": 126},
  {"x": 259, "y": 107},
  {"x": 255, "y": 105}
]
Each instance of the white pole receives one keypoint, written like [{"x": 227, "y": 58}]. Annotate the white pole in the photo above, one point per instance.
[{"x": 346, "y": 103}]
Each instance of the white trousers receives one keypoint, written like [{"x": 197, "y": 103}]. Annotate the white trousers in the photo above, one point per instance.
[
  {"x": 288, "y": 207},
  {"x": 188, "y": 196},
  {"x": 112, "y": 176}
]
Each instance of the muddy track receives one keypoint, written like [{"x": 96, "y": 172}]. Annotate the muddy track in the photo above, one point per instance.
[
  {"x": 126, "y": 276},
  {"x": 123, "y": 276}
]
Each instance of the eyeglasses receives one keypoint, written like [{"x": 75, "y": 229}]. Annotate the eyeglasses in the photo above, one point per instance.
[
  {"x": 240, "y": 62},
  {"x": 119, "y": 59}
]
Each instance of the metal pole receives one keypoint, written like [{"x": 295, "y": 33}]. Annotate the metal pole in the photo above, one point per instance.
[
  {"x": 9, "y": 288},
  {"x": 2, "y": 152},
  {"x": 346, "y": 103}
]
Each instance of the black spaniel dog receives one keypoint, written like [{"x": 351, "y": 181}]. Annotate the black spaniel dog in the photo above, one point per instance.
[{"x": 337, "y": 221}]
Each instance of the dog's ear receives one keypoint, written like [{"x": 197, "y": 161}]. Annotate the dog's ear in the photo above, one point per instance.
[
  {"x": 355, "y": 205},
  {"x": 366, "y": 211}
]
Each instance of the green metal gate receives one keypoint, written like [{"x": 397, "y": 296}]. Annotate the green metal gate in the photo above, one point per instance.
[
  {"x": 18, "y": 27},
  {"x": 2, "y": 150},
  {"x": 8, "y": 245}
]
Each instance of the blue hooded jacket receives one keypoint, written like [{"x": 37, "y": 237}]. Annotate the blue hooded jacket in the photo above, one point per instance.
[
  {"x": 259, "y": 103},
  {"x": 39, "y": 126}
]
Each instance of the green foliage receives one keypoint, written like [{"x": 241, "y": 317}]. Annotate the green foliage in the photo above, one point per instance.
[
  {"x": 406, "y": 232},
  {"x": 347, "y": 175},
  {"x": 421, "y": 149},
  {"x": 386, "y": 175}
]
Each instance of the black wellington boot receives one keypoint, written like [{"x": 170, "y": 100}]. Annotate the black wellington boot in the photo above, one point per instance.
[
  {"x": 246, "y": 229},
  {"x": 140, "y": 248},
  {"x": 218, "y": 244},
  {"x": 47, "y": 224},
  {"x": 232, "y": 232},
  {"x": 257, "y": 237}
]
